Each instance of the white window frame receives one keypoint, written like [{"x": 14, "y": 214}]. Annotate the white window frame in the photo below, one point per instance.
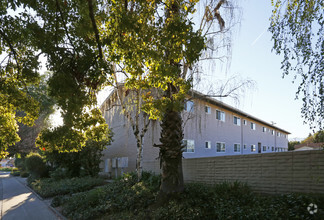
[
  {"x": 222, "y": 144},
  {"x": 253, "y": 126},
  {"x": 238, "y": 120},
  {"x": 244, "y": 122},
  {"x": 244, "y": 147},
  {"x": 207, "y": 109},
  {"x": 272, "y": 132},
  {"x": 264, "y": 129},
  {"x": 221, "y": 115},
  {"x": 264, "y": 148},
  {"x": 238, "y": 150},
  {"x": 278, "y": 134},
  {"x": 185, "y": 144},
  {"x": 207, "y": 144},
  {"x": 253, "y": 148},
  {"x": 189, "y": 108}
]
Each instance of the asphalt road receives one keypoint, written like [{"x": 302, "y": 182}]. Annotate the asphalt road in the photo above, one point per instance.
[{"x": 18, "y": 202}]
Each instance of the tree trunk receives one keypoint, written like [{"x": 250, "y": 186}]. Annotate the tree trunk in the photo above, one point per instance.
[
  {"x": 171, "y": 150},
  {"x": 139, "y": 169}
]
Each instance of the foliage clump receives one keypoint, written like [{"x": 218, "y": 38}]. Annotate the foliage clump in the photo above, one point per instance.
[
  {"x": 127, "y": 198},
  {"x": 126, "y": 194},
  {"x": 36, "y": 165},
  {"x": 48, "y": 187}
]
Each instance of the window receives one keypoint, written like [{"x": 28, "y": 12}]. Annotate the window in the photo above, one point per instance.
[
  {"x": 252, "y": 126},
  {"x": 272, "y": 148},
  {"x": 244, "y": 122},
  {"x": 278, "y": 134},
  {"x": 207, "y": 109},
  {"x": 268, "y": 148},
  {"x": 237, "y": 121},
  {"x": 244, "y": 147},
  {"x": 264, "y": 148},
  {"x": 253, "y": 148},
  {"x": 188, "y": 106},
  {"x": 220, "y": 115},
  {"x": 208, "y": 145},
  {"x": 220, "y": 147},
  {"x": 189, "y": 146},
  {"x": 272, "y": 132},
  {"x": 264, "y": 129},
  {"x": 237, "y": 148}
]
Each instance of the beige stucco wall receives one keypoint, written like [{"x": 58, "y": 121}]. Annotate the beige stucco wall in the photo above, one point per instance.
[{"x": 282, "y": 172}]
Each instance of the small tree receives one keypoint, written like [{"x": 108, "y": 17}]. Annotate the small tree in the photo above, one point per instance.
[
  {"x": 83, "y": 162},
  {"x": 291, "y": 145},
  {"x": 319, "y": 137}
]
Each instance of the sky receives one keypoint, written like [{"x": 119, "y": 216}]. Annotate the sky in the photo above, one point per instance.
[{"x": 273, "y": 98}]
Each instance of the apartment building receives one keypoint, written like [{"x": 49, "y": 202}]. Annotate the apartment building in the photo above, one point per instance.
[
  {"x": 211, "y": 128},
  {"x": 217, "y": 129}
]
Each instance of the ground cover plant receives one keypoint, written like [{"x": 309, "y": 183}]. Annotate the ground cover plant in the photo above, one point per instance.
[
  {"x": 128, "y": 199},
  {"x": 6, "y": 169},
  {"x": 48, "y": 187}
]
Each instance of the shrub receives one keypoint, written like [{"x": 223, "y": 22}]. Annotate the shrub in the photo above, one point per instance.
[
  {"x": 6, "y": 169},
  {"x": 128, "y": 199},
  {"x": 15, "y": 173},
  {"x": 125, "y": 194},
  {"x": 82, "y": 163},
  {"x": 24, "y": 174},
  {"x": 58, "y": 174},
  {"x": 20, "y": 163},
  {"x": 49, "y": 187},
  {"x": 36, "y": 165}
]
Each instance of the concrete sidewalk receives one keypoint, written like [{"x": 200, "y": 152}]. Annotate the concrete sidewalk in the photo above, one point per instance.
[{"x": 18, "y": 202}]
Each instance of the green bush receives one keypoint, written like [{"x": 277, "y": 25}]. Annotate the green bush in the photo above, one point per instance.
[
  {"x": 128, "y": 199},
  {"x": 77, "y": 164},
  {"x": 49, "y": 187},
  {"x": 24, "y": 174},
  {"x": 20, "y": 163},
  {"x": 125, "y": 194},
  {"x": 15, "y": 173},
  {"x": 58, "y": 174},
  {"x": 59, "y": 200},
  {"x": 6, "y": 169},
  {"x": 36, "y": 165}
]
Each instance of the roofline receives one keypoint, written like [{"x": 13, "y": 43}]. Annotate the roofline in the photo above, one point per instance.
[{"x": 196, "y": 94}]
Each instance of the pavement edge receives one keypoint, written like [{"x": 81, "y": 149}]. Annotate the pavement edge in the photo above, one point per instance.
[{"x": 57, "y": 213}]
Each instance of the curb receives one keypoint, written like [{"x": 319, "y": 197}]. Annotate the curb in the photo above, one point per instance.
[{"x": 58, "y": 214}]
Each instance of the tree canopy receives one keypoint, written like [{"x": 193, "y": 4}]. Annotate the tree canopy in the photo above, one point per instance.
[
  {"x": 18, "y": 69},
  {"x": 297, "y": 28},
  {"x": 27, "y": 133},
  {"x": 65, "y": 33},
  {"x": 153, "y": 43}
]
